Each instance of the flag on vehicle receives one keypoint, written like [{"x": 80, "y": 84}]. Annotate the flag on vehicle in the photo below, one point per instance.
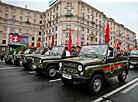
[
  {"x": 52, "y": 42},
  {"x": 70, "y": 41},
  {"x": 21, "y": 48},
  {"x": 118, "y": 43},
  {"x": 38, "y": 44},
  {"x": 27, "y": 45},
  {"x": 107, "y": 33}
]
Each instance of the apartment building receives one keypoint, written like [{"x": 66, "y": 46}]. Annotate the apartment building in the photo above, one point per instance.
[
  {"x": 87, "y": 25},
  {"x": 19, "y": 20}
]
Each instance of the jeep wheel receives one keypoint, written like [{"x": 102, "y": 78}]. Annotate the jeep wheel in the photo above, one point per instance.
[
  {"x": 122, "y": 76},
  {"x": 31, "y": 66},
  {"x": 96, "y": 84},
  {"x": 67, "y": 81},
  {"x": 51, "y": 71}
]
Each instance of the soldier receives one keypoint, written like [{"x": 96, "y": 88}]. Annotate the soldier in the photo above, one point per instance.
[
  {"x": 67, "y": 52},
  {"x": 73, "y": 51},
  {"x": 78, "y": 50},
  {"x": 119, "y": 53},
  {"x": 48, "y": 51}
]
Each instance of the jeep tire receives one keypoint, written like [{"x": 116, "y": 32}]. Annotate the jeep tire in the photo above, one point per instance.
[
  {"x": 96, "y": 84},
  {"x": 122, "y": 76},
  {"x": 30, "y": 66},
  {"x": 67, "y": 81},
  {"x": 51, "y": 71}
]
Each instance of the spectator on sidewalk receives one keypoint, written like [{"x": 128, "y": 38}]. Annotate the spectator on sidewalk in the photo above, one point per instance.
[{"x": 2, "y": 55}]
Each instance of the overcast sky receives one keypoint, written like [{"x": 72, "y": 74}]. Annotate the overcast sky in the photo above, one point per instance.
[{"x": 122, "y": 11}]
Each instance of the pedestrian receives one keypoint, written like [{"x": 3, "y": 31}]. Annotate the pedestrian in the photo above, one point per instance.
[{"x": 2, "y": 56}]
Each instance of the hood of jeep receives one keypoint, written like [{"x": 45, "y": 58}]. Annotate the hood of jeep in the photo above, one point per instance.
[
  {"x": 31, "y": 55},
  {"x": 48, "y": 57}
]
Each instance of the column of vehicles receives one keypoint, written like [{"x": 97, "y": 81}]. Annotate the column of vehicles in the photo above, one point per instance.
[{"x": 94, "y": 64}]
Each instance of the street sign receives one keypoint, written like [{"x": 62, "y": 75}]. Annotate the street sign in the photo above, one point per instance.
[{"x": 51, "y": 2}]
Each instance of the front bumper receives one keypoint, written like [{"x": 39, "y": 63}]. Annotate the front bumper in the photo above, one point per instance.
[{"x": 133, "y": 63}]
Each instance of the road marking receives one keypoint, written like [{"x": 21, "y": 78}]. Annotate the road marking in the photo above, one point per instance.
[
  {"x": 114, "y": 91},
  {"x": 9, "y": 68},
  {"x": 129, "y": 88},
  {"x": 54, "y": 80},
  {"x": 32, "y": 72}
]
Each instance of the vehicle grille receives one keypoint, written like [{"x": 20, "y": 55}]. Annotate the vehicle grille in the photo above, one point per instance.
[
  {"x": 70, "y": 69},
  {"x": 70, "y": 64},
  {"x": 134, "y": 59}
]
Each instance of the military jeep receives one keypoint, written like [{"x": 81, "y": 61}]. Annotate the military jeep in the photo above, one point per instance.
[
  {"x": 133, "y": 58},
  {"x": 48, "y": 64},
  {"x": 93, "y": 66},
  {"x": 27, "y": 59}
]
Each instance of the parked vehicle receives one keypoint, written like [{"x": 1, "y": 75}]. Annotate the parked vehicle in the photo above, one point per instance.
[{"x": 93, "y": 66}]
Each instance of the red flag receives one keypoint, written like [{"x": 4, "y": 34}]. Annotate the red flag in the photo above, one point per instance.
[
  {"x": 70, "y": 41},
  {"x": 38, "y": 44},
  {"x": 27, "y": 45},
  {"x": 21, "y": 48},
  {"x": 52, "y": 42},
  {"x": 128, "y": 49},
  {"x": 107, "y": 33},
  {"x": 118, "y": 43}
]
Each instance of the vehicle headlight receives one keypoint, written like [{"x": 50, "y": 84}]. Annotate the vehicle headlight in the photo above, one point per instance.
[
  {"x": 60, "y": 64},
  {"x": 40, "y": 61},
  {"x": 79, "y": 68}
]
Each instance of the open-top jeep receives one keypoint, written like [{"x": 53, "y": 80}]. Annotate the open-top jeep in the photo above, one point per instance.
[
  {"x": 133, "y": 58},
  {"x": 93, "y": 66},
  {"x": 27, "y": 59},
  {"x": 48, "y": 64}
]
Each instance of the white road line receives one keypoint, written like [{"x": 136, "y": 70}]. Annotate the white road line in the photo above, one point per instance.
[
  {"x": 129, "y": 88},
  {"x": 54, "y": 80},
  {"x": 32, "y": 72},
  {"x": 114, "y": 91},
  {"x": 10, "y": 68}
]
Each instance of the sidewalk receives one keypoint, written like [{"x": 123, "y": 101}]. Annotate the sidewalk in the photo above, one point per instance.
[{"x": 2, "y": 61}]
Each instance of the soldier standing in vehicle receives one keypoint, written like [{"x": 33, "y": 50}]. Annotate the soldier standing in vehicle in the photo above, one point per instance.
[
  {"x": 48, "y": 51},
  {"x": 78, "y": 50},
  {"x": 119, "y": 53},
  {"x": 73, "y": 51}
]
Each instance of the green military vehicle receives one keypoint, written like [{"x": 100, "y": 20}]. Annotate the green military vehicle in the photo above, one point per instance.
[
  {"x": 16, "y": 60},
  {"x": 48, "y": 64},
  {"x": 93, "y": 66},
  {"x": 133, "y": 58},
  {"x": 26, "y": 61}
]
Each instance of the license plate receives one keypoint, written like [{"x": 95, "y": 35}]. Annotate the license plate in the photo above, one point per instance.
[
  {"x": 67, "y": 76},
  {"x": 134, "y": 62}
]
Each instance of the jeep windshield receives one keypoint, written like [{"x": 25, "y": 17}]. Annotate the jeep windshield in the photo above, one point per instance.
[
  {"x": 26, "y": 51},
  {"x": 94, "y": 50},
  {"x": 39, "y": 50},
  {"x": 57, "y": 50},
  {"x": 134, "y": 52}
]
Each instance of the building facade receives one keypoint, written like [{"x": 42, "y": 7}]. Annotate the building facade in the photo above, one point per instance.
[{"x": 87, "y": 25}]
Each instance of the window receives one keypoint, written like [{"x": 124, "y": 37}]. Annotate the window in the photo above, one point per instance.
[
  {"x": 95, "y": 39},
  {"x": 82, "y": 29},
  {"x": 13, "y": 29},
  {"x": 69, "y": 12},
  {"x": 50, "y": 12},
  {"x": 39, "y": 39},
  {"x": 32, "y": 44},
  {"x": 14, "y": 17},
  {"x": 10, "y": 49},
  {"x": 69, "y": 4},
  {"x": 57, "y": 8},
  {"x": 3, "y": 41},
  {"x": 34, "y": 15},
  {"x": 27, "y": 25},
  {"x": 56, "y": 28},
  {"x": 5, "y": 28},
  {"x": 88, "y": 10},
  {"x": 87, "y": 37},
  {"x": 4, "y": 35},
  {"x": 21, "y": 12},
  {"x": 87, "y": 16},
  {"x": 92, "y": 31},
  {"x": 6, "y": 9},
  {"x": 40, "y": 22},
  {"x": 39, "y": 33},
  {"x": 100, "y": 16},
  {"x": 40, "y": 16},
  {"x": 32, "y": 38},
  {"x": 54, "y": 10},
  {"x": 68, "y": 18},
  {"x": 21, "y": 18},
  {"x": 82, "y": 35},
  {"x": 27, "y": 31},
  {"x": 82, "y": 7},
  {"x": 14, "y": 10},
  {"x": 20, "y": 30},
  {"x": 92, "y": 25},
  {"x": 34, "y": 20},
  {"x": 33, "y": 32},
  {"x": 92, "y": 12},
  {"x": 56, "y": 36},
  {"x": 33, "y": 26},
  {"x": 96, "y": 26},
  {"x": 53, "y": 16},
  {"x": 96, "y": 33},
  {"x": 52, "y": 29},
  {"x": 28, "y": 13},
  {"x": 87, "y": 30},
  {"x": 96, "y": 15},
  {"x": 96, "y": 20},
  {"x": 92, "y": 19},
  {"x": 28, "y": 19},
  {"x": 3, "y": 48},
  {"x": 67, "y": 41},
  {"x": 13, "y": 23},
  {"x": 6, "y": 15},
  {"x": 20, "y": 24},
  {"x": 5, "y": 21},
  {"x": 68, "y": 26},
  {"x": 67, "y": 34},
  {"x": 91, "y": 38},
  {"x": 82, "y": 21},
  {"x": 40, "y": 27}
]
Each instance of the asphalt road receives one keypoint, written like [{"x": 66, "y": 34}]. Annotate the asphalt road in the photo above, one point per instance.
[{"x": 20, "y": 85}]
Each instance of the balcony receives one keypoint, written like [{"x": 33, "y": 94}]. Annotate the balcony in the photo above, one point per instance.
[
  {"x": 68, "y": 14},
  {"x": 92, "y": 22},
  {"x": 27, "y": 21}
]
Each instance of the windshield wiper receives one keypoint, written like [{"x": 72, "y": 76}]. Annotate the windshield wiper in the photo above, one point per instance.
[
  {"x": 94, "y": 54},
  {"x": 84, "y": 54}
]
